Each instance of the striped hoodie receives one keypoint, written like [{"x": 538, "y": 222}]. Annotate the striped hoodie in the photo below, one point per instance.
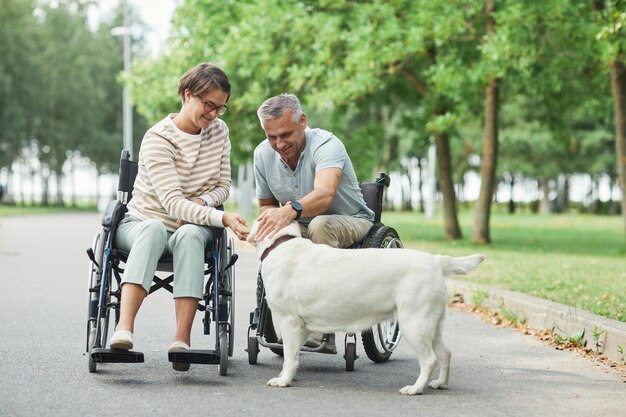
[{"x": 176, "y": 167}]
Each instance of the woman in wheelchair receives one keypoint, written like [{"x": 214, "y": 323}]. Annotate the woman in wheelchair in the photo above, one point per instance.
[{"x": 184, "y": 174}]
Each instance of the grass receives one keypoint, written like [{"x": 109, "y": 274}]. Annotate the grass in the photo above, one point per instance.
[
  {"x": 573, "y": 259},
  {"x": 16, "y": 210}
]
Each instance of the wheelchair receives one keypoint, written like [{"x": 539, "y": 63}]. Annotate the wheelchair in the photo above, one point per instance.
[
  {"x": 379, "y": 341},
  {"x": 104, "y": 284}
]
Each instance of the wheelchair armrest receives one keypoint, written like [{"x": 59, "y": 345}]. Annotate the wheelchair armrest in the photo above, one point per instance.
[{"x": 113, "y": 214}]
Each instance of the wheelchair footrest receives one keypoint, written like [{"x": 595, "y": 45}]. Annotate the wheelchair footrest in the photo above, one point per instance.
[
  {"x": 102, "y": 355},
  {"x": 206, "y": 357}
]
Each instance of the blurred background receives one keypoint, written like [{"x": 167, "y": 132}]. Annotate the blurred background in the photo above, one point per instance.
[{"x": 432, "y": 92}]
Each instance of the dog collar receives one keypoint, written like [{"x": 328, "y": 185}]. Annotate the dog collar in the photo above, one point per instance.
[{"x": 277, "y": 242}]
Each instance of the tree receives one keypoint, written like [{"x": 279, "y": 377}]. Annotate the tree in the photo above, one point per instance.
[
  {"x": 611, "y": 36},
  {"x": 18, "y": 68},
  {"x": 332, "y": 54},
  {"x": 490, "y": 148}
]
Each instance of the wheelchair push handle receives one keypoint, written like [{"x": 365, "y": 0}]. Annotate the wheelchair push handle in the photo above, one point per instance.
[
  {"x": 127, "y": 174},
  {"x": 383, "y": 179}
]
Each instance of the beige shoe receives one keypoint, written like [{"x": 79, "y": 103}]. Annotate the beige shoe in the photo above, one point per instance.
[
  {"x": 121, "y": 339},
  {"x": 180, "y": 366}
]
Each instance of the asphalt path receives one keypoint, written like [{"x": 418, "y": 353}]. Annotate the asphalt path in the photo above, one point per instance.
[{"x": 43, "y": 367}]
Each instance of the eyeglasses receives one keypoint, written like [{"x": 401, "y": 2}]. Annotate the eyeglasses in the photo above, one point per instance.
[{"x": 209, "y": 107}]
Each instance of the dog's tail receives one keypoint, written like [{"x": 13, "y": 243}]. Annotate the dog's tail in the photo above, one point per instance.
[{"x": 459, "y": 266}]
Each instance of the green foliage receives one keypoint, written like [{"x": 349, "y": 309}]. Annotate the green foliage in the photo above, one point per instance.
[
  {"x": 577, "y": 338},
  {"x": 597, "y": 343},
  {"x": 509, "y": 315},
  {"x": 384, "y": 76},
  {"x": 611, "y": 27},
  {"x": 18, "y": 68},
  {"x": 59, "y": 93},
  {"x": 479, "y": 297}
]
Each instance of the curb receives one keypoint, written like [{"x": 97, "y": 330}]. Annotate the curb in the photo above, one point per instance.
[{"x": 543, "y": 314}]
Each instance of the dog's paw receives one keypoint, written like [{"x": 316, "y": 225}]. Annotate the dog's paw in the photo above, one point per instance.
[
  {"x": 438, "y": 385},
  {"x": 278, "y": 382},
  {"x": 411, "y": 390}
]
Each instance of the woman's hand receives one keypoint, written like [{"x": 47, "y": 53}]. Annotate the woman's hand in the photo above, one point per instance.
[{"x": 236, "y": 223}]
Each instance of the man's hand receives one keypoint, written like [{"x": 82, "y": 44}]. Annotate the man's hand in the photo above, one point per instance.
[
  {"x": 236, "y": 223},
  {"x": 274, "y": 219}
]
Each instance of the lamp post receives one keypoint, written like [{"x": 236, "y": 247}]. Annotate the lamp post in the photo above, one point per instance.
[{"x": 127, "y": 105}]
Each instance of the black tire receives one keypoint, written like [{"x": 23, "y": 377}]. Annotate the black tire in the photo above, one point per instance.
[
  {"x": 380, "y": 341},
  {"x": 253, "y": 350},
  {"x": 104, "y": 313},
  {"x": 230, "y": 286},
  {"x": 383, "y": 237},
  {"x": 224, "y": 348},
  {"x": 267, "y": 329},
  {"x": 93, "y": 281},
  {"x": 270, "y": 332},
  {"x": 350, "y": 356}
]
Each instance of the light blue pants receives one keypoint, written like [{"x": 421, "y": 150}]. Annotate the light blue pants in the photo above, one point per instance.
[{"x": 148, "y": 240}]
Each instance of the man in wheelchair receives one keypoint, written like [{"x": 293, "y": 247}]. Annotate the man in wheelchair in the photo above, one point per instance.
[
  {"x": 183, "y": 175},
  {"x": 306, "y": 175}
]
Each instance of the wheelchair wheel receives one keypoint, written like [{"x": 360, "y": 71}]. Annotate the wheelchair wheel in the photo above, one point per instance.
[
  {"x": 230, "y": 279},
  {"x": 350, "y": 356},
  {"x": 93, "y": 279},
  {"x": 270, "y": 332},
  {"x": 380, "y": 341},
  {"x": 266, "y": 322},
  {"x": 253, "y": 350},
  {"x": 224, "y": 348},
  {"x": 98, "y": 319}
]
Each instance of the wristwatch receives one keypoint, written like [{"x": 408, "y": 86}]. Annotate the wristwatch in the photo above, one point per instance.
[{"x": 297, "y": 207}]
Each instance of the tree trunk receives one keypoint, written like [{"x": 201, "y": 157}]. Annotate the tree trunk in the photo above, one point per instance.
[
  {"x": 618, "y": 87},
  {"x": 490, "y": 149},
  {"x": 446, "y": 184},
  {"x": 420, "y": 184},
  {"x": 8, "y": 197},
  {"x": 45, "y": 194},
  {"x": 511, "y": 200},
  {"x": 562, "y": 194},
  {"x": 59, "y": 197},
  {"x": 387, "y": 151},
  {"x": 544, "y": 205},
  {"x": 612, "y": 204},
  {"x": 98, "y": 192},
  {"x": 408, "y": 202}
]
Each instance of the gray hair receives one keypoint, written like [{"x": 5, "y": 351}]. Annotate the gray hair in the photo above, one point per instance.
[{"x": 276, "y": 106}]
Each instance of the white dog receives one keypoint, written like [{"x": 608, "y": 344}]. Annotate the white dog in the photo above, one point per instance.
[{"x": 316, "y": 288}]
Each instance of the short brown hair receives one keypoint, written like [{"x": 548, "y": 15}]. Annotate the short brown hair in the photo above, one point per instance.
[{"x": 202, "y": 78}]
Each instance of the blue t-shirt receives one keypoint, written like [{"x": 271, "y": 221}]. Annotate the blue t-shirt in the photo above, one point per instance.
[{"x": 275, "y": 179}]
